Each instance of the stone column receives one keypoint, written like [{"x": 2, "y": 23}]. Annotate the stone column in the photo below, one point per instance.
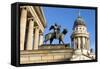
[
  {"x": 74, "y": 43},
  {"x": 23, "y": 20},
  {"x": 83, "y": 43},
  {"x": 88, "y": 43},
  {"x": 41, "y": 39},
  {"x": 36, "y": 38},
  {"x": 29, "y": 45},
  {"x": 78, "y": 42}
]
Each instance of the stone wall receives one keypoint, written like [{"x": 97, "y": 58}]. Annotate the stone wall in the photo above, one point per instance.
[{"x": 42, "y": 56}]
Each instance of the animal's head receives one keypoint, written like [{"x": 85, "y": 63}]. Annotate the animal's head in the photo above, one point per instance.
[{"x": 64, "y": 31}]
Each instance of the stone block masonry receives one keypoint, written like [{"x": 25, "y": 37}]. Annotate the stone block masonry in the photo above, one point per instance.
[{"x": 43, "y": 56}]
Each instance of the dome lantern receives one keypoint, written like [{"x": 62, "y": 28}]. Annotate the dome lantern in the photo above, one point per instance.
[{"x": 79, "y": 21}]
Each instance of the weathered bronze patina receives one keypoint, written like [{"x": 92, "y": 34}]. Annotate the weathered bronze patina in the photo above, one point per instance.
[{"x": 56, "y": 34}]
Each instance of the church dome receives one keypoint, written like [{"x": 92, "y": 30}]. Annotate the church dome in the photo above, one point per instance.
[{"x": 79, "y": 21}]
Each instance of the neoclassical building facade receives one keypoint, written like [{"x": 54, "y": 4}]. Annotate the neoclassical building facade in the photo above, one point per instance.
[{"x": 32, "y": 24}]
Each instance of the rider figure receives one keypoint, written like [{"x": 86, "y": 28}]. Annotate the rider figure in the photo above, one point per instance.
[{"x": 56, "y": 29}]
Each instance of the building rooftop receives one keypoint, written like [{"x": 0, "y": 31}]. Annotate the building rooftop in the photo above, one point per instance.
[{"x": 79, "y": 21}]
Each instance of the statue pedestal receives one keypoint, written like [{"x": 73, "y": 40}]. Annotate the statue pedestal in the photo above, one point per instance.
[
  {"x": 54, "y": 46},
  {"x": 44, "y": 56},
  {"x": 47, "y": 53}
]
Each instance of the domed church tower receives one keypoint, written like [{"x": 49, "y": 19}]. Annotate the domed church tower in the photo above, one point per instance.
[{"x": 80, "y": 38}]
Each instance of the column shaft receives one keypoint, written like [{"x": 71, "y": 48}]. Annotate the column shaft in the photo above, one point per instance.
[
  {"x": 74, "y": 43},
  {"x": 88, "y": 44},
  {"x": 36, "y": 38},
  {"x": 78, "y": 42},
  {"x": 83, "y": 43},
  {"x": 30, "y": 35},
  {"x": 23, "y": 20},
  {"x": 41, "y": 40}
]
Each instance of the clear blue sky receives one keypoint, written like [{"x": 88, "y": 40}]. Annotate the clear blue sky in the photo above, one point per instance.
[{"x": 66, "y": 17}]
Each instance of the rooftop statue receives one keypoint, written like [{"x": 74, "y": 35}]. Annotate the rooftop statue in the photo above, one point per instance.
[
  {"x": 56, "y": 34},
  {"x": 56, "y": 29}
]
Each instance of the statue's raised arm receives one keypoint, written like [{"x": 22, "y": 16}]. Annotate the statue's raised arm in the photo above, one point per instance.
[{"x": 51, "y": 27}]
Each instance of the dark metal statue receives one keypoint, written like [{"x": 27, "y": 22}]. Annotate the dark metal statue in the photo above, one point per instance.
[
  {"x": 56, "y": 29},
  {"x": 56, "y": 34}
]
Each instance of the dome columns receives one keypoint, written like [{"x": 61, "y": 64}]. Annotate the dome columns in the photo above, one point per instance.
[{"x": 80, "y": 42}]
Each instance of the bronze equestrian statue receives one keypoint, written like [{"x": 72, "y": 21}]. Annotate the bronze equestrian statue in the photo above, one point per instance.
[
  {"x": 56, "y": 34},
  {"x": 56, "y": 29}
]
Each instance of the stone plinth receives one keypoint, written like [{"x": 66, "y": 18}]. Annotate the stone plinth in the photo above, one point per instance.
[
  {"x": 54, "y": 46},
  {"x": 43, "y": 56}
]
